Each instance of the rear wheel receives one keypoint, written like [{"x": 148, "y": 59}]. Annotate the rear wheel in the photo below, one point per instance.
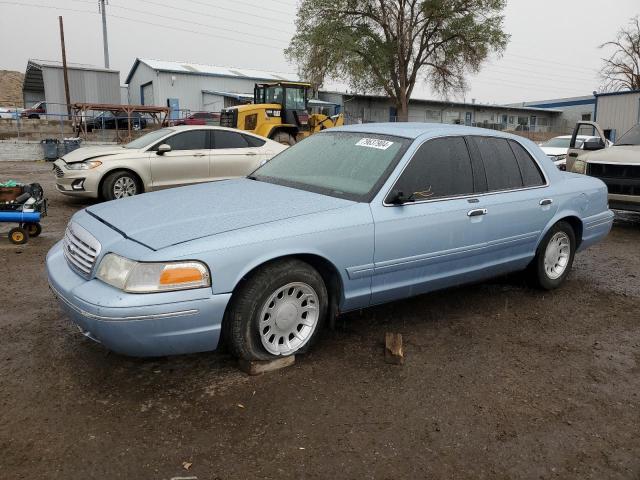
[
  {"x": 34, "y": 229},
  {"x": 120, "y": 184},
  {"x": 284, "y": 138},
  {"x": 554, "y": 257},
  {"x": 18, "y": 236},
  {"x": 277, "y": 312}
]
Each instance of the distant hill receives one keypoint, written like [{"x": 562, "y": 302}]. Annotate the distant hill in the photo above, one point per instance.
[{"x": 11, "y": 88}]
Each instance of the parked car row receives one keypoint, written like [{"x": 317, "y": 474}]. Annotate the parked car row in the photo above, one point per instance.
[
  {"x": 345, "y": 219},
  {"x": 557, "y": 148}
]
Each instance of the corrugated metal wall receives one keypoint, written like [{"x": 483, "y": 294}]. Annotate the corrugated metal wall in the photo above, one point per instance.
[
  {"x": 618, "y": 112},
  {"x": 84, "y": 86},
  {"x": 188, "y": 88}
]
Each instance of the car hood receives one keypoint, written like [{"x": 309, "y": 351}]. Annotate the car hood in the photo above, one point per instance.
[
  {"x": 554, "y": 150},
  {"x": 616, "y": 154},
  {"x": 161, "y": 219},
  {"x": 87, "y": 153}
]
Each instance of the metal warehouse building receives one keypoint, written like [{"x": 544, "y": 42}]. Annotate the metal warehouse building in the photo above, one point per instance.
[
  {"x": 44, "y": 80},
  {"x": 195, "y": 87},
  {"x": 372, "y": 108},
  {"x": 617, "y": 112}
]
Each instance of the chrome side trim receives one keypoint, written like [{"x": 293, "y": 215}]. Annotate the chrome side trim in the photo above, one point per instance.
[
  {"x": 470, "y": 195},
  {"x": 84, "y": 313},
  {"x": 422, "y": 260}
]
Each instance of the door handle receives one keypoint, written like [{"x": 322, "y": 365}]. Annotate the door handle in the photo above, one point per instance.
[
  {"x": 251, "y": 153},
  {"x": 477, "y": 212},
  {"x": 546, "y": 201},
  {"x": 199, "y": 154}
]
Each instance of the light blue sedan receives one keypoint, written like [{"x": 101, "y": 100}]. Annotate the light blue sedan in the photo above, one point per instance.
[{"x": 348, "y": 218}]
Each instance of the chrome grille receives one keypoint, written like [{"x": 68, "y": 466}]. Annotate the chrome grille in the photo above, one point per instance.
[
  {"x": 58, "y": 171},
  {"x": 80, "y": 249}
]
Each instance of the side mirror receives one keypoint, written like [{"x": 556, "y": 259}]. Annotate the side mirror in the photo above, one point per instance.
[
  {"x": 397, "y": 197},
  {"x": 162, "y": 149},
  {"x": 593, "y": 144}
]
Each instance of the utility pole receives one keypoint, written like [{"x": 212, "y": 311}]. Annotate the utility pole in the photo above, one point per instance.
[
  {"x": 64, "y": 67},
  {"x": 104, "y": 33}
]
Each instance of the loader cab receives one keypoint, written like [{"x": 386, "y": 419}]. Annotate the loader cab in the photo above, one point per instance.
[{"x": 292, "y": 98}]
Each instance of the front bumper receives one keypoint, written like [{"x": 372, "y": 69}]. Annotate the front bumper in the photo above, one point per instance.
[
  {"x": 67, "y": 181},
  {"x": 629, "y": 203},
  {"x": 140, "y": 325}
]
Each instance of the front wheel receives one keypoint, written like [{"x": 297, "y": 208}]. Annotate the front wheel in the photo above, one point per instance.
[
  {"x": 18, "y": 236},
  {"x": 277, "y": 312},
  {"x": 120, "y": 185},
  {"x": 554, "y": 257}
]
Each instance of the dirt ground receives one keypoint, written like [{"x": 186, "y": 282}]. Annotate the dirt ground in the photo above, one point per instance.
[{"x": 500, "y": 382}]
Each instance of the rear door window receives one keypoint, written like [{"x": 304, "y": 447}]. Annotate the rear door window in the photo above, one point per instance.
[
  {"x": 500, "y": 164},
  {"x": 531, "y": 174},
  {"x": 440, "y": 168},
  {"x": 227, "y": 139},
  {"x": 254, "y": 141}
]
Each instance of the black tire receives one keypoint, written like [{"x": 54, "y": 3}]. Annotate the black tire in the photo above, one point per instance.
[
  {"x": 284, "y": 138},
  {"x": 241, "y": 326},
  {"x": 109, "y": 190},
  {"x": 34, "y": 116},
  {"x": 34, "y": 229},
  {"x": 537, "y": 271},
  {"x": 18, "y": 236}
]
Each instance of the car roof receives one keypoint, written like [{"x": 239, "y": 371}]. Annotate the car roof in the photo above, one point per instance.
[
  {"x": 414, "y": 129},
  {"x": 180, "y": 128}
]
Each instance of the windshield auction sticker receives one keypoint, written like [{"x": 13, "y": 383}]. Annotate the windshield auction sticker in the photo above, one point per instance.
[{"x": 374, "y": 143}]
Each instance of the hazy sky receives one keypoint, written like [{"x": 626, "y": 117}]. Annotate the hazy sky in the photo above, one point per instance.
[{"x": 553, "y": 50}]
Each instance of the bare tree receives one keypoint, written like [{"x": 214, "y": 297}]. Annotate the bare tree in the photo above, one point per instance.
[
  {"x": 386, "y": 46},
  {"x": 621, "y": 70}
]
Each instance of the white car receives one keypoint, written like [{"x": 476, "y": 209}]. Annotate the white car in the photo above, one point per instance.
[
  {"x": 164, "y": 158},
  {"x": 9, "y": 113},
  {"x": 556, "y": 148}
]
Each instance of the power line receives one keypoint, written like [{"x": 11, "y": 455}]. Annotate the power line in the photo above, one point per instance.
[
  {"x": 260, "y": 7},
  {"x": 166, "y": 17},
  {"x": 217, "y": 17},
  {"x": 171, "y": 27}
]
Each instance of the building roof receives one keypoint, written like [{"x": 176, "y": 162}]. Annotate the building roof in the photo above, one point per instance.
[
  {"x": 37, "y": 63},
  {"x": 211, "y": 70},
  {"x": 624, "y": 92},
  {"x": 449, "y": 103},
  {"x": 557, "y": 102}
]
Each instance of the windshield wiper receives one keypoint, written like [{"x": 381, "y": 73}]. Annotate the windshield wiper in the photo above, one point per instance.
[{"x": 252, "y": 177}]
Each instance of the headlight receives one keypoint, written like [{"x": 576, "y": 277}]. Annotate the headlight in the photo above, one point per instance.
[
  {"x": 560, "y": 157},
  {"x": 88, "y": 165},
  {"x": 140, "y": 277},
  {"x": 579, "y": 167}
]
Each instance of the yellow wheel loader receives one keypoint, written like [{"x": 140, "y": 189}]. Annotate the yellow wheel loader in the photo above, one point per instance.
[{"x": 280, "y": 111}]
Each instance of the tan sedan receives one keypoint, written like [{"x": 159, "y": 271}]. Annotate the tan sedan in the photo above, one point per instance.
[{"x": 164, "y": 158}]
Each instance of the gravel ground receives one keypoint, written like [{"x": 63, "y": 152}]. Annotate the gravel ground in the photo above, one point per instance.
[{"x": 500, "y": 382}]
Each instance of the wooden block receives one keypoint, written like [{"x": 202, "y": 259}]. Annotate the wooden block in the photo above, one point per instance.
[
  {"x": 393, "y": 352},
  {"x": 255, "y": 367}
]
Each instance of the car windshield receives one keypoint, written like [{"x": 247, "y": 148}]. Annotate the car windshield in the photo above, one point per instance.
[
  {"x": 345, "y": 165},
  {"x": 148, "y": 139},
  {"x": 560, "y": 142},
  {"x": 632, "y": 137}
]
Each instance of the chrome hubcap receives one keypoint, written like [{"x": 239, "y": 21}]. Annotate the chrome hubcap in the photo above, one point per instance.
[
  {"x": 288, "y": 318},
  {"x": 124, "y": 187},
  {"x": 556, "y": 256}
]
